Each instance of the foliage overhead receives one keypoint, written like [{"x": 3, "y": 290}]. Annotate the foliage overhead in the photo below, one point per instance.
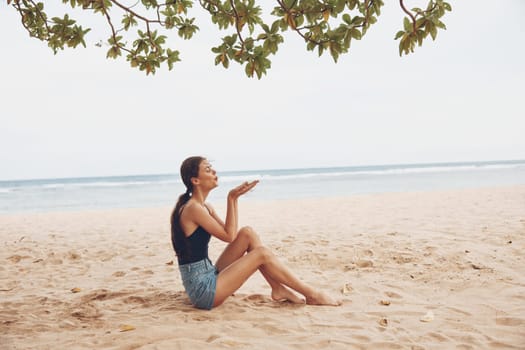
[{"x": 327, "y": 26}]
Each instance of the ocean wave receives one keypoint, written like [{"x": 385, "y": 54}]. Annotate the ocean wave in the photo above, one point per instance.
[
  {"x": 233, "y": 177},
  {"x": 80, "y": 185},
  {"x": 129, "y": 183},
  {"x": 123, "y": 183},
  {"x": 51, "y": 186},
  {"x": 159, "y": 190},
  {"x": 365, "y": 171}
]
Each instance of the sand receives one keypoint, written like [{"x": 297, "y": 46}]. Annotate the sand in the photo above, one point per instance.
[{"x": 425, "y": 270}]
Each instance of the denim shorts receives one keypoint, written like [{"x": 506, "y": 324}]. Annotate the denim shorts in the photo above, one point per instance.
[{"x": 200, "y": 281}]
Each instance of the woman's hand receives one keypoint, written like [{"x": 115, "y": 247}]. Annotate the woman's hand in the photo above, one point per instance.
[{"x": 242, "y": 189}]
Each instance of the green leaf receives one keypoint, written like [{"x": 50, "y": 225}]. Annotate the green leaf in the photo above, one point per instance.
[
  {"x": 113, "y": 52},
  {"x": 433, "y": 32},
  {"x": 407, "y": 24},
  {"x": 172, "y": 56},
  {"x": 420, "y": 36},
  {"x": 440, "y": 24},
  {"x": 326, "y": 24},
  {"x": 249, "y": 69}
]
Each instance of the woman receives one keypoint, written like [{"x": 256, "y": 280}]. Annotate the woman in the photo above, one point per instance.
[{"x": 194, "y": 221}]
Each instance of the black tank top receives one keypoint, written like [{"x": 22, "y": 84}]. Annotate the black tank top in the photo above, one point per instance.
[{"x": 192, "y": 248}]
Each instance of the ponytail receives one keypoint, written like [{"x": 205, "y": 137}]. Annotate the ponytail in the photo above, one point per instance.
[
  {"x": 177, "y": 235},
  {"x": 188, "y": 170},
  {"x": 175, "y": 215}
]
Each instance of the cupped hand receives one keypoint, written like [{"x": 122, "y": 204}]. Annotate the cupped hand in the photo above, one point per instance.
[{"x": 242, "y": 189}]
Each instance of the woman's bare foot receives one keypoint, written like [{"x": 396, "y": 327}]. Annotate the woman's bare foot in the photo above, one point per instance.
[
  {"x": 284, "y": 294},
  {"x": 320, "y": 298}
]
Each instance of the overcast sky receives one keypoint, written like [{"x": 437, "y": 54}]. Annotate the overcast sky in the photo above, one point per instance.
[{"x": 459, "y": 98}]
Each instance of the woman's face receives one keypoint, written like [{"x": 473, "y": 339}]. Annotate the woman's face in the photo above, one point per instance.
[{"x": 207, "y": 175}]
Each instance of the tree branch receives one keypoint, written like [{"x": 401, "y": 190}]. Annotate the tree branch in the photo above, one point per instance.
[
  {"x": 144, "y": 19},
  {"x": 16, "y": 5},
  {"x": 135, "y": 14},
  {"x": 410, "y": 14},
  {"x": 237, "y": 21},
  {"x": 297, "y": 30},
  {"x": 114, "y": 33},
  {"x": 316, "y": 22}
]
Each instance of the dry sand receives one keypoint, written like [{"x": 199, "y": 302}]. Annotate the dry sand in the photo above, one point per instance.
[{"x": 450, "y": 265}]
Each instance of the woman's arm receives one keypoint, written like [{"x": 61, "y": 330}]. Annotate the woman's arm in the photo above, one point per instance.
[
  {"x": 210, "y": 221},
  {"x": 196, "y": 215},
  {"x": 232, "y": 213},
  {"x": 232, "y": 217}
]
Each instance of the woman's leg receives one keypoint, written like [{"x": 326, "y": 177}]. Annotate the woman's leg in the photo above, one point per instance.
[
  {"x": 244, "y": 243},
  {"x": 234, "y": 275},
  {"x": 247, "y": 240}
]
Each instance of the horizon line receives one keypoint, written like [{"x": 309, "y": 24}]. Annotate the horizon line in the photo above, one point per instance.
[{"x": 441, "y": 163}]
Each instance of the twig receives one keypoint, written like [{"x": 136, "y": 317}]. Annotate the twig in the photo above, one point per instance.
[
  {"x": 129, "y": 10},
  {"x": 237, "y": 20},
  {"x": 410, "y": 14},
  {"x": 114, "y": 33}
]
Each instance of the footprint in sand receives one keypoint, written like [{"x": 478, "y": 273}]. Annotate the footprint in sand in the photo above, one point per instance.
[
  {"x": 437, "y": 336},
  {"x": 402, "y": 259},
  {"x": 86, "y": 311},
  {"x": 137, "y": 300},
  {"x": 271, "y": 329},
  {"x": 200, "y": 318},
  {"x": 459, "y": 311},
  {"x": 368, "y": 252},
  {"x": 510, "y": 321},
  {"x": 212, "y": 337},
  {"x": 9, "y": 286},
  {"x": 257, "y": 299},
  {"x": 102, "y": 294},
  {"x": 105, "y": 256},
  {"x": 15, "y": 259},
  {"x": 364, "y": 263},
  {"x": 54, "y": 261},
  {"x": 393, "y": 295},
  {"x": 361, "y": 338},
  {"x": 74, "y": 256},
  {"x": 429, "y": 250}
]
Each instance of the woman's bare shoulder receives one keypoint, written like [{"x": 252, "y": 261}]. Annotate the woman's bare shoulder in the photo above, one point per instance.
[
  {"x": 194, "y": 209},
  {"x": 189, "y": 209},
  {"x": 209, "y": 207}
]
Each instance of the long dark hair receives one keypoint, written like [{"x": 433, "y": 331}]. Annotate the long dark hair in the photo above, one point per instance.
[{"x": 188, "y": 169}]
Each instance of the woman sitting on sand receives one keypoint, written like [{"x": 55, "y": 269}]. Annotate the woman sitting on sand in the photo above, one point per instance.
[{"x": 194, "y": 221}]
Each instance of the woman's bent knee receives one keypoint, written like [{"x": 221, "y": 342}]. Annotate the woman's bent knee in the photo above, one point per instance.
[
  {"x": 248, "y": 232},
  {"x": 264, "y": 253}
]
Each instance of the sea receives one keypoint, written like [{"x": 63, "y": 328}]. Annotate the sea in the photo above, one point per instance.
[{"x": 160, "y": 190}]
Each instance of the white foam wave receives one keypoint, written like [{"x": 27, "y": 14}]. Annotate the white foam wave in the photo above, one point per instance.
[
  {"x": 125, "y": 183},
  {"x": 374, "y": 172},
  {"x": 96, "y": 184},
  {"x": 263, "y": 175},
  {"x": 111, "y": 184},
  {"x": 51, "y": 186}
]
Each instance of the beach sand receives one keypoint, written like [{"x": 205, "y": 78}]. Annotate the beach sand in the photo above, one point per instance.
[{"x": 421, "y": 270}]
